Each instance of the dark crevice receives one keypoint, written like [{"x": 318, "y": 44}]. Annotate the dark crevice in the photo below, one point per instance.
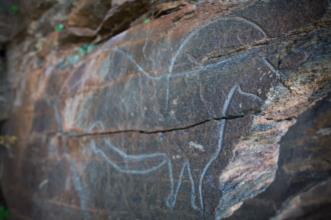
[
  {"x": 4, "y": 110},
  {"x": 267, "y": 41},
  {"x": 283, "y": 119},
  {"x": 101, "y": 133},
  {"x": 243, "y": 48}
]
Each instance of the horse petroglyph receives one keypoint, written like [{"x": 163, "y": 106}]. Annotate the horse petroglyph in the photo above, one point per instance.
[
  {"x": 161, "y": 86},
  {"x": 166, "y": 160},
  {"x": 126, "y": 96}
]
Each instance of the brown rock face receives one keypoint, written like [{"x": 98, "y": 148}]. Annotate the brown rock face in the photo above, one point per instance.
[
  {"x": 88, "y": 13},
  {"x": 209, "y": 111}
]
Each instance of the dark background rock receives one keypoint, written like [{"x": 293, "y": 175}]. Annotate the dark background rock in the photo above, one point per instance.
[{"x": 4, "y": 105}]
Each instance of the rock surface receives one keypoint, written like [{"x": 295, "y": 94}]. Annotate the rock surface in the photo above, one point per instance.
[
  {"x": 301, "y": 188},
  {"x": 206, "y": 111}
]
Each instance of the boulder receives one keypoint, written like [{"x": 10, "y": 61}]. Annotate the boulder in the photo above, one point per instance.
[{"x": 208, "y": 110}]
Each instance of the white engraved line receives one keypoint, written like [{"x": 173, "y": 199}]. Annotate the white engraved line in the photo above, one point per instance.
[
  {"x": 180, "y": 74},
  {"x": 253, "y": 24},
  {"x": 179, "y": 50},
  {"x": 164, "y": 159},
  {"x": 188, "y": 72},
  {"x": 132, "y": 158},
  {"x": 131, "y": 59},
  {"x": 173, "y": 193},
  {"x": 193, "y": 193},
  {"x": 171, "y": 201},
  {"x": 193, "y": 33},
  {"x": 250, "y": 95},
  {"x": 220, "y": 142},
  {"x": 186, "y": 40},
  {"x": 271, "y": 67},
  {"x": 79, "y": 188}
]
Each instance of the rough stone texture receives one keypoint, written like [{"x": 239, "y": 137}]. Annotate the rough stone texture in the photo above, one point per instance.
[
  {"x": 104, "y": 18},
  {"x": 208, "y": 111},
  {"x": 301, "y": 188},
  {"x": 9, "y": 22}
]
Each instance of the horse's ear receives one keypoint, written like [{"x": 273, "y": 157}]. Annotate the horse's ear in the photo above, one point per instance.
[
  {"x": 244, "y": 102},
  {"x": 214, "y": 40}
]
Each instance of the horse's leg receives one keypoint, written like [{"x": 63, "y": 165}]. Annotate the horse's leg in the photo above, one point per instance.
[
  {"x": 194, "y": 188},
  {"x": 163, "y": 160},
  {"x": 215, "y": 156},
  {"x": 175, "y": 186},
  {"x": 79, "y": 186},
  {"x": 170, "y": 199}
]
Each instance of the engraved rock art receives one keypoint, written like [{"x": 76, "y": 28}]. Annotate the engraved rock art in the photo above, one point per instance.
[
  {"x": 174, "y": 72},
  {"x": 196, "y": 114},
  {"x": 181, "y": 55},
  {"x": 165, "y": 160},
  {"x": 172, "y": 109}
]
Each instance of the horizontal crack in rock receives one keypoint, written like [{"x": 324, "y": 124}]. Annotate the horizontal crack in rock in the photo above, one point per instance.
[{"x": 73, "y": 134}]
